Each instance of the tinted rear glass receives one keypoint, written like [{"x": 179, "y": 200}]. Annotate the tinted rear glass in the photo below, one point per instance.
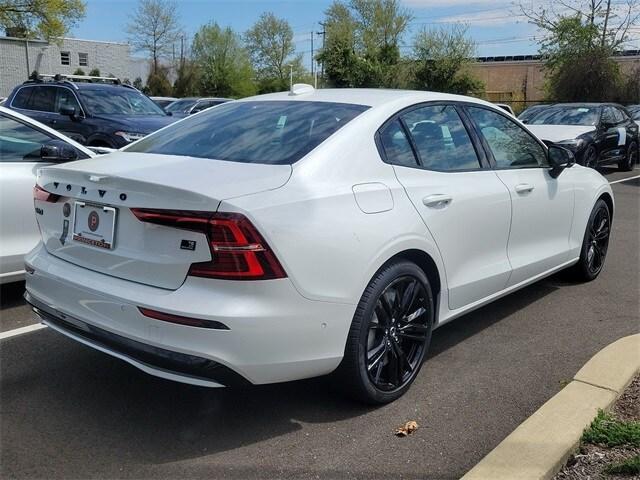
[{"x": 271, "y": 132}]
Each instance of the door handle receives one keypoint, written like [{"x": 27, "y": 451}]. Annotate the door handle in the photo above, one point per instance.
[
  {"x": 438, "y": 200},
  {"x": 524, "y": 188}
]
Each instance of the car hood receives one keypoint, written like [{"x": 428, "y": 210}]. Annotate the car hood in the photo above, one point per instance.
[
  {"x": 138, "y": 123},
  {"x": 557, "y": 133}
]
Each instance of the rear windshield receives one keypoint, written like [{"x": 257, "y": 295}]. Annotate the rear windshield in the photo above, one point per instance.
[
  {"x": 181, "y": 106},
  {"x": 271, "y": 132},
  {"x": 566, "y": 116}
]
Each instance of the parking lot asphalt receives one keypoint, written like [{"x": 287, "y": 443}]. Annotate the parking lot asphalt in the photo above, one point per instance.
[{"x": 68, "y": 411}]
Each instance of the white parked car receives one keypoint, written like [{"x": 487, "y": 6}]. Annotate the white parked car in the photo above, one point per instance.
[
  {"x": 296, "y": 234},
  {"x": 25, "y": 146}
]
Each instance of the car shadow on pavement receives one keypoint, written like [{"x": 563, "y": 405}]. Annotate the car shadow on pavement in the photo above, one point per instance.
[
  {"x": 69, "y": 392},
  {"x": 11, "y": 295}
]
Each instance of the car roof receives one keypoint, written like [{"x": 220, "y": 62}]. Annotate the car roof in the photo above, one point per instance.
[
  {"x": 372, "y": 97},
  {"x": 40, "y": 126}
]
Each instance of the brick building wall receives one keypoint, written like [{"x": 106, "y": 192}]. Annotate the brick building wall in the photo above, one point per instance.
[
  {"x": 523, "y": 80},
  {"x": 16, "y": 64}
]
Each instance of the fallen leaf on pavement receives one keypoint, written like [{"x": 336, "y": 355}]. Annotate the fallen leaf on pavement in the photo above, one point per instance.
[{"x": 407, "y": 429}]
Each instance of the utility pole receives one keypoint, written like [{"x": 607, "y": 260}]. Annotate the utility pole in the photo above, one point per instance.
[
  {"x": 312, "y": 61},
  {"x": 291, "y": 77},
  {"x": 324, "y": 36}
]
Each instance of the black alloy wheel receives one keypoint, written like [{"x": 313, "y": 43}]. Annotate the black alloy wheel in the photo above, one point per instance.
[
  {"x": 389, "y": 335},
  {"x": 595, "y": 243},
  {"x": 631, "y": 158},
  {"x": 590, "y": 157},
  {"x": 397, "y": 334}
]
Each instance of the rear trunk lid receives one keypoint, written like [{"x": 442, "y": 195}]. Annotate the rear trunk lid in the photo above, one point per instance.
[{"x": 101, "y": 192}]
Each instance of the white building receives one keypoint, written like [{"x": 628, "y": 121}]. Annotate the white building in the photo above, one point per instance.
[{"x": 19, "y": 57}]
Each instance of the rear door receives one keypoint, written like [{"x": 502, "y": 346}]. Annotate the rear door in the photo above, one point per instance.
[
  {"x": 19, "y": 159},
  {"x": 464, "y": 205},
  {"x": 37, "y": 102},
  {"x": 542, "y": 206}
]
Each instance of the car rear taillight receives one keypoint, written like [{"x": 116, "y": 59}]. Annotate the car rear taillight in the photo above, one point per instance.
[
  {"x": 41, "y": 194},
  {"x": 238, "y": 251}
]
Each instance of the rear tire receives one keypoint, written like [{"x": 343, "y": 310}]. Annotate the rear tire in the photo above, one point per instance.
[
  {"x": 594, "y": 244},
  {"x": 389, "y": 335},
  {"x": 631, "y": 158}
]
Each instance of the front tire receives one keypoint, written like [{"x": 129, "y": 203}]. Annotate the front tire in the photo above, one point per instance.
[
  {"x": 631, "y": 158},
  {"x": 590, "y": 158},
  {"x": 594, "y": 244},
  {"x": 389, "y": 335}
]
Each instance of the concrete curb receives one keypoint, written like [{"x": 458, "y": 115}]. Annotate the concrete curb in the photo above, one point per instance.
[{"x": 539, "y": 447}]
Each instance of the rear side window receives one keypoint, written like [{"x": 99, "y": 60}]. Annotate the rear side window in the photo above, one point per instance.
[
  {"x": 269, "y": 132},
  {"x": 396, "y": 146},
  {"x": 38, "y": 98},
  {"x": 441, "y": 138}
]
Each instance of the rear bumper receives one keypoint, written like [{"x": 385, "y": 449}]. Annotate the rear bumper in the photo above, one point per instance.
[{"x": 274, "y": 333}]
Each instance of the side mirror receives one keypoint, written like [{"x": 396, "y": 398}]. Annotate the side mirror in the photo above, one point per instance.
[
  {"x": 559, "y": 159},
  {"x": 68, "y": 111},
  {"x": 58, "y": 151}
]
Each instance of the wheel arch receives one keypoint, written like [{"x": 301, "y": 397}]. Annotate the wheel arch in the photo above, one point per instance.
[
  {"x": 608, "y": 199},
  {"x": 428, "y": 266}
]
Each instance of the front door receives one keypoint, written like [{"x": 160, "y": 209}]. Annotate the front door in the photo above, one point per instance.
[
  {"x": 465, "y": 206},
  {"x": 542, "y": 206}
]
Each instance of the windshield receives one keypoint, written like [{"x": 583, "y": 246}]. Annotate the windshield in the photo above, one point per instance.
[
  {"x": 635, "y": 113},
  {"x": 271, "y": 132},
  {"x": 114, "y": 101},
  {"x": 566, "y": 116},
  {"x": 181, "y": 106},
  {"x": 530, "y": 112}
]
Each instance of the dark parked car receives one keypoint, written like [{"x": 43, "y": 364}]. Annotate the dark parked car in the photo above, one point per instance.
[
  {"x": 188, "y": 106},
  {"x": 92, "y": 113},
  {"x": 598, "y": 133},
  {"x": 163, "y": 102}
]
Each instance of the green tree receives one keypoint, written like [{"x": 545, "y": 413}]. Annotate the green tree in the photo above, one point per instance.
[
  {"x": 158, "y": 82},
  {"x": 154, "y": 28},
  {"x": 94, "y": 72},
  {"x": 270, "y": 44},
  {"x": 223, "y": 61},
  {"x": 79, "y": 71},
  {"x": 362, "y": 44},
  {"x": 441, "y": 61},
  {"x": 137, "y": 83},
  {"x": 46, "y": 19},
  {"x": 188, "y": 82},
  {"x": 578, "y": 44}
]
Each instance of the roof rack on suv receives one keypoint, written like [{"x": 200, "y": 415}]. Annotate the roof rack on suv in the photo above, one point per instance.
[{"x": 59, "y": 77}]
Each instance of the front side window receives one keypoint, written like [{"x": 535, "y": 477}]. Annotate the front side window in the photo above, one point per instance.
[
  {"x": 118, "y": 101},
  {"x": 269, "y": 132},
  {"x": 66, "y": 99},
  {"x": 396, "y": 146},
  {"x": 441, "y": 139},
  {"x": 19, "y": 142},
  {"x": 510, "y": 144}
]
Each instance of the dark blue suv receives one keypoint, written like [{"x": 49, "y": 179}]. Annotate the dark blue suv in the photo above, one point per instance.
[{"x": 94, "y": 114}]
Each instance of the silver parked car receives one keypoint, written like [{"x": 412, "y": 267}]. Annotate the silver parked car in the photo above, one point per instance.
[{"x": 25, "y": 146}]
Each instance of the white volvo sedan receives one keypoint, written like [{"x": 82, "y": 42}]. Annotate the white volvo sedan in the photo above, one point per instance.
[{"x": 292, "y": 235}]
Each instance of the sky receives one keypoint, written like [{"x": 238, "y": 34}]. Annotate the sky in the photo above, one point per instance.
[{"x": 496, "y": 26}]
